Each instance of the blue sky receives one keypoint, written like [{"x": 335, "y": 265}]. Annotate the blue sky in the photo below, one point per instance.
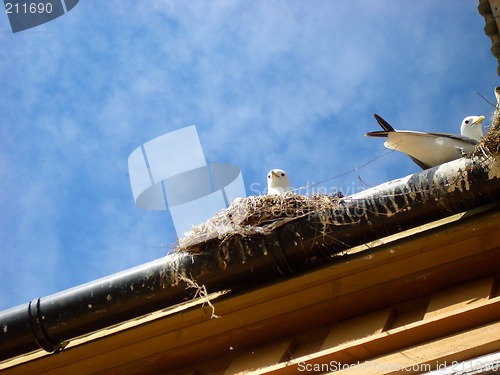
[{"x": 269, "y": 84}]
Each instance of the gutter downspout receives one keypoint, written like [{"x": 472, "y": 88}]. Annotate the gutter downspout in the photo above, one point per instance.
[{"x": 247, "y": 262}]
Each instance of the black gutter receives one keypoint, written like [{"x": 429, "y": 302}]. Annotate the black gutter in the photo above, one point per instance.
[{"x": 238, "y": 263}]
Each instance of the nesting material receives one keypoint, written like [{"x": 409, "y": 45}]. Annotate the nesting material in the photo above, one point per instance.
[
  {"x": 490, "y": 143},
  {"x": 256, "y": 215},
  {"x": 489, "y": 147}
]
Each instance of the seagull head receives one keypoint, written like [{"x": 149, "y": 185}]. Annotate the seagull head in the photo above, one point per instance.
[
  {"x": 472, "y": 127},
  {"x": 277, "y": 182}
]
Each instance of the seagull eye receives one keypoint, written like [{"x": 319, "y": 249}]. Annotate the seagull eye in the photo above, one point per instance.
[
  {"x": 466, "y": 122},
  {"x": 268, "y": 176},
  {"x": 282, "y": 174}
]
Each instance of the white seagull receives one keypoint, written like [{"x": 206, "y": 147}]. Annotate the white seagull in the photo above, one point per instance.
[
  {"x": 431, "y": 149},
  {"x": 277, "y": 182}
]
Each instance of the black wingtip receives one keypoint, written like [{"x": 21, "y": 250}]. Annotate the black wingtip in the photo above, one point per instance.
[
  {"x": 384, "y": 124},
  {"x": 377, "y": 133}
]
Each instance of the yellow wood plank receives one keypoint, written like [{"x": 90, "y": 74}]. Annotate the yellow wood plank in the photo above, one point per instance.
[
  {"x": 437, "y": 354},
  {"x": 454, "y": 298},
  {"x": 261, "y": 357},
  {"x": 480, "y": 322},
  {"x": 359, "y": 327}
]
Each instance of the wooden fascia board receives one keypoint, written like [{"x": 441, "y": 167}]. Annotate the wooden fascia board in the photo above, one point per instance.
[{"x": 478, "y": 326}]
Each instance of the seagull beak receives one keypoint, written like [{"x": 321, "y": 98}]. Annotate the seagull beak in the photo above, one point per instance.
[
  {"x": 274, "y": 174},
  {"x": 479, "y": 120}
]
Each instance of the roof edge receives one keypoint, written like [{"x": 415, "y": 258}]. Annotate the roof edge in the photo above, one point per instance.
[{"x": 249, "y": 262}]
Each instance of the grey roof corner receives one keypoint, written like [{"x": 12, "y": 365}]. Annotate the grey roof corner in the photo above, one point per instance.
[{"x": 490, "y": 10}]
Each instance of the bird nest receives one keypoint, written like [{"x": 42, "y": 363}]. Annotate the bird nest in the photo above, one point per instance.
[
  {"x": 490, "y": 143},
  {"x": 255, "y": 215}
]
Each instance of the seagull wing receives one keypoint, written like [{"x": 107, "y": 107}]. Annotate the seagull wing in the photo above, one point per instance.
[
  {"x": 425, "y": 149},
  {"x": 430, "y": 149},
  {"x": 456, "y": 137},
  {"x": 421, "y": 164}
]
